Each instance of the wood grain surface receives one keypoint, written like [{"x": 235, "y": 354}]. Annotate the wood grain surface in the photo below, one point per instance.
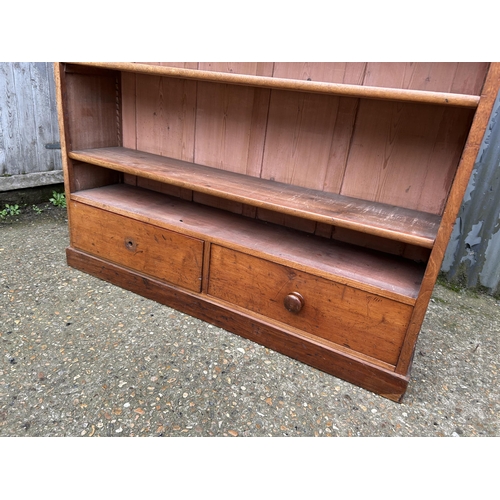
[
  {"x": 149, "y": 249},
  {"x": 360, "y": 321},
  {"x": 373, "y": 218}
]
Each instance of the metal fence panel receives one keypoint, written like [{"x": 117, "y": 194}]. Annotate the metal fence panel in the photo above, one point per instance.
[{"x": 473, "y": 255}]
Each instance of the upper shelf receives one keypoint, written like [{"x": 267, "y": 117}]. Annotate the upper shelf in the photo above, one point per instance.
[
  {"x": 395, "y": 223},
  {"x": 339, "y": 89}
]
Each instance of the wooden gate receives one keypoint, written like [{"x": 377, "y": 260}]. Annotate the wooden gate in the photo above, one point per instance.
[{"x": 29, "y": 134}]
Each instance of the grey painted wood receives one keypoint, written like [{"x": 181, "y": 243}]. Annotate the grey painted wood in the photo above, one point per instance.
[{"x": 28, "y": 123}]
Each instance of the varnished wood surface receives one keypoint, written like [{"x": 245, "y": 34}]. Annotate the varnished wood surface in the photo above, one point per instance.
[
  {"x": 317, "y": 353},
  {"x": 399, "y": 224},
  {"x": 405, "y": 154},
  {"x": 368, "y": 92},
  {"x": 91, "y": 111},
  {"x": 360, "y": 321},
  {"x": 316, "y": 141},
  {"x": 149, "y": 249},
  {"x": 371, "y": 271}
]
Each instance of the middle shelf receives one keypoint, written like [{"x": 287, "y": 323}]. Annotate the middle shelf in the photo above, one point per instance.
[{"x": 378, "y": 219}]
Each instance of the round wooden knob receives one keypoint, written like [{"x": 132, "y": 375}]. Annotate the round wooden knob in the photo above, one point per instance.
[{"x": 294, "y": 302}]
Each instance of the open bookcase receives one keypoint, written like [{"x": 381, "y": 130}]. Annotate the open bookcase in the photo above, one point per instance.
[{"x": 305, "y": 206}]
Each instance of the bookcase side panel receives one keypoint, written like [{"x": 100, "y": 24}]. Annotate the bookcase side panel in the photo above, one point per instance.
[{"x": 93, "y": 110}]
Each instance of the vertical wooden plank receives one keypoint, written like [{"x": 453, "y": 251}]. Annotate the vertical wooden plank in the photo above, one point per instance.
[
  {"x": 230, "y": 127},
  {"x": 37, "y": 78},
  {"x": 7, "y": 118},
  {"x": 130, "y": 179},
  {"x": 55, "y": 137},
  {"x": 214, "y": 201},
  {"x": 129, "y": 119},
  {"x": 410, "y": 75},
  {"x": 165, "y": 116},
  {"x": 351, "y": 73},
  {"x": 44, "y": 118},
  {"x": 243, "y": 68},
  {"x": 161, "y": 187},
  {"x": 469, "y": 78},
  {"x": 308, "y": 226},
  {"x": 308, "y": 138},
  {"x": 318, "y": 128},
  {"x": 21, "y": 135},
  {"x": 405, "y": 154},
  {"x": 460, "y": 78}
]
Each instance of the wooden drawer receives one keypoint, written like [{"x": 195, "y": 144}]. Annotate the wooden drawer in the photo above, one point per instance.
[
  {"x": 146, "y": 248},
  {"x": 353, "y": 318}
]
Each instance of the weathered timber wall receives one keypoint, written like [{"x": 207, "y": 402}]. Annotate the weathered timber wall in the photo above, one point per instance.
[{"x": 29, "y": 132}]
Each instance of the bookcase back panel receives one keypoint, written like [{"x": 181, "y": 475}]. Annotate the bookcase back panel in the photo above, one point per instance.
[
  {"x": 307, "y": 140},
  {"x": 459, "y": 78},
  {"x": 243, "y": 68},
  {"x": 165, "y": 116},
  {"x": 350, "y": 73},
  {"x": 231, "y": 127},
  {"x": 405, "y": 154}
]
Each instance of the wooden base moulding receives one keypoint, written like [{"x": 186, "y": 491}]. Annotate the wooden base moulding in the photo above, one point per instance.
[{"x": 290, "y": 343}]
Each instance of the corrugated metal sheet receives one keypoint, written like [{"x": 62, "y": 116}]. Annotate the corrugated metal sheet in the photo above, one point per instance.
[
  {"x": 473, "y": 255},
  {"x": 28, "y": 123}
]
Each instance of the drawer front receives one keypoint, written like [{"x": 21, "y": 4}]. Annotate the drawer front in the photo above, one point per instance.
[
  {"x": 353, "y": 318},
  {"x": 143, "y": 247}
]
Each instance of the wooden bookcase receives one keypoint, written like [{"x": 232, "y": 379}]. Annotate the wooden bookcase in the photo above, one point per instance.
[{"x": 306, "y": 207}]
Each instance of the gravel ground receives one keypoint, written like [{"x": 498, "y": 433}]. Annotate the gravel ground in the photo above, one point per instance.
[{"x": 81, "y": 357}]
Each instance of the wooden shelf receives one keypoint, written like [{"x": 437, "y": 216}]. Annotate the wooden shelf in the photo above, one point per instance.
[
  {"x": 346, "y": 90},
  {"x": 395, "y": 223},
  {"x": 372, "y": 271}
]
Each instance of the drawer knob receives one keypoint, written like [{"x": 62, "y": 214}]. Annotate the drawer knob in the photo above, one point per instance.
[{"x": 294, "y": 302}]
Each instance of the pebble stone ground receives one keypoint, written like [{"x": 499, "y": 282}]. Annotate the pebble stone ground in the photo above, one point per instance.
[{"x": 81, "y": 357}]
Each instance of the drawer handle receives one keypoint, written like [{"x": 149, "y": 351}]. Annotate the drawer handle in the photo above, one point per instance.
[{"x": 294, "y": 302}]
